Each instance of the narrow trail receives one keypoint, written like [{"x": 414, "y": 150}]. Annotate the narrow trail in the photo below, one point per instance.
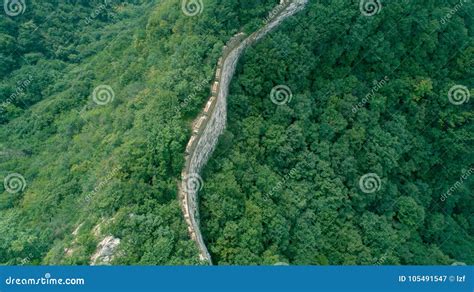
[{"x": 211, "y": 123}]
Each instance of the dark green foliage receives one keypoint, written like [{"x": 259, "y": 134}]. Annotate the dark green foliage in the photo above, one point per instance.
[
  {"x": 255, "y": 211},
  {"x": 115, "y": 166}
]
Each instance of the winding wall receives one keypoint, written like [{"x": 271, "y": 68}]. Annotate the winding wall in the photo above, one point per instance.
[{"x": 212, "y": 121}]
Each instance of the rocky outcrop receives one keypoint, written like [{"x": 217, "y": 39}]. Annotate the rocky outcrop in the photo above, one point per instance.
[
  {"x": 211, "y": 123},
  {"x": 105, "y": 251},
  {"x": 106, "y": 248}
]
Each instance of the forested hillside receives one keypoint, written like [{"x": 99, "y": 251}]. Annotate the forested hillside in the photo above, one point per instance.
[
  {"x": 96, "y": 104},
  {"x": 370, "y": 95},
  {"x": 96, "y": 101}
]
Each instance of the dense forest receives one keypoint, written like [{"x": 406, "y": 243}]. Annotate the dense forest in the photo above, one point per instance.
[
  {"x": 97, "y": 97},
  {"x": 369, "y": 95}
]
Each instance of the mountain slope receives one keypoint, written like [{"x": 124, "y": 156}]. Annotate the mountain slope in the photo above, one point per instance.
[{"x": 101, "y": 148}]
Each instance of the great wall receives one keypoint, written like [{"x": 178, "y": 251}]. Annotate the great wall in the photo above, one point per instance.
[{"x": 210, "y": 124}]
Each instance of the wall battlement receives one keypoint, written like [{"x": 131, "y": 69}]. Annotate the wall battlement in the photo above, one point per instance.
[{"x": 210, "y": 124}]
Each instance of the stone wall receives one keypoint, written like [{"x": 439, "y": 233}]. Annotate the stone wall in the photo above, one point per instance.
[{"x": 211, "y": 123}]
